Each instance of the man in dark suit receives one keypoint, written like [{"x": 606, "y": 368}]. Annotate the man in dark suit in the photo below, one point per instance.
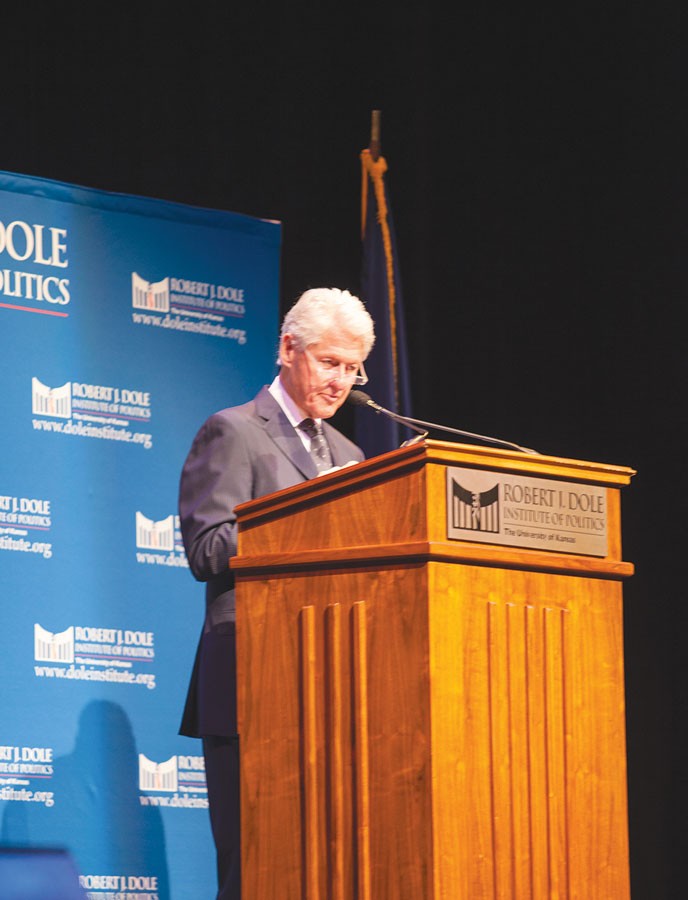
[{"x": 277, "y": 439}]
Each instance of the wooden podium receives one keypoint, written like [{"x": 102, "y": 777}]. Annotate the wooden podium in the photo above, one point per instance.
[{"x": 431, "y": 686}]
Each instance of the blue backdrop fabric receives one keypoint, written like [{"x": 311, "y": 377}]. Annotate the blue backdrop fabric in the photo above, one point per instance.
[{"x": 124, "y": 322}]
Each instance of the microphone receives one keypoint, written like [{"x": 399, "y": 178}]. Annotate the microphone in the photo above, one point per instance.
[{"x": 359, "y": 398}]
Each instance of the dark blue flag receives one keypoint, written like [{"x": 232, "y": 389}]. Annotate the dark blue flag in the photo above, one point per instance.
[{"x": 387, "y": 365}]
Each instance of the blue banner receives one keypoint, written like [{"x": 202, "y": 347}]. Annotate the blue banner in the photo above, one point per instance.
[{"x": 124, "y": 322}]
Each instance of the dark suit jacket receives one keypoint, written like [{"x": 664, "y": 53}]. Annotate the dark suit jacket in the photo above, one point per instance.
[{"x": 239, "y": 454}]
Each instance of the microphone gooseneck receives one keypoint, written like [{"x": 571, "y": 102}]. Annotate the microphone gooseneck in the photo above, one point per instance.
[{"x": 360, "y": 398}]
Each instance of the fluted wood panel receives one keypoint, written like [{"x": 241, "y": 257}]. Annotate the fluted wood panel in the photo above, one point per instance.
[
  {"x": 527, "y": 665},
  {"x": 311, "y": 787},
  {"x": 528, "y": 733},
  {"x": 337, "y": 789},
  {"x": 360, "y": 752}
]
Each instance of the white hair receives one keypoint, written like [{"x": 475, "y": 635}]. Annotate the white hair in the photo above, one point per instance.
[{"x": 320, "y": 310}]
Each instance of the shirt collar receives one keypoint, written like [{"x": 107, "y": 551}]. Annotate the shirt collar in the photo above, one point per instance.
[{"x": 290, "y": 409}]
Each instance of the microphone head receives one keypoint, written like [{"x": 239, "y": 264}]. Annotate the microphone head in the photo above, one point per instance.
[{"x": 359, "y": 398}]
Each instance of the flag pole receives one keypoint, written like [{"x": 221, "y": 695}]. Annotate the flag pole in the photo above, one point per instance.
[
  {"x": 381, "y": 293},
  {"x": 375, "y": 166},
  {"x": 374, "y": 146}
]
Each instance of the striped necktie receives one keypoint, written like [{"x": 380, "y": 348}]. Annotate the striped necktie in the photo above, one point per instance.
[{"x": 319, "y": 448}]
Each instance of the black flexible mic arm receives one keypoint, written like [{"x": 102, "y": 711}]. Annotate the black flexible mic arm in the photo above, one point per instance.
[{"x": 359, "y": 398}]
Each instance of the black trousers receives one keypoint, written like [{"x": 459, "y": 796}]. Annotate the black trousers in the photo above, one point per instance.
[{"x": 222, "y": 777}]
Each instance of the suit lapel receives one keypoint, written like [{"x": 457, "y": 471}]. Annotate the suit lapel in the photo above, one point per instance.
[{"x": 281, "y": 431}]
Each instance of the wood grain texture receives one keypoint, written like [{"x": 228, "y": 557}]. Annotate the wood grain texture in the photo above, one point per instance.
[{"x": 431, "y": 724}]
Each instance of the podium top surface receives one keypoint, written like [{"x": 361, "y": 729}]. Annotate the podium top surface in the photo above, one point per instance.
[{"x": 444, "y": 453}]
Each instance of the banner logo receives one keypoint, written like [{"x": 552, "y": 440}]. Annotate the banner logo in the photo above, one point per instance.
[
  {"x": 92, "y": 410},
  {"x": 157, "y": 776},
  {"x": 159, "y": 543},
  {"x": 146, "y": 295},
  {"x": 177, "y": 782},
  {"x": 24, "y": 768},
  {"x": 21, "y": 518},
  {"x": 32, "y": 245},
  {"x": 181, "y": 304},
  {"x": 152, "y": 535},
  {"x": 49, "y": 647},
  {"x": 47, "y": 401},
  {"x": 89, "y": 653},
  {"x": 121, "y": 887}
]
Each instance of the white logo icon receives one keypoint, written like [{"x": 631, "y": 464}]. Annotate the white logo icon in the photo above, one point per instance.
[
  {"x": 47, "y": 401},
  {"x": 149, "y": 295},
  {"x": 152, "y": 535},
  {"x": 49, "y": 647},
  {"x": 157, "y": 776}
]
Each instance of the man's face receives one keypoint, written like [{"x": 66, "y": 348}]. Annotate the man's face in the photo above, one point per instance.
[{"x": 319, "y": 378}]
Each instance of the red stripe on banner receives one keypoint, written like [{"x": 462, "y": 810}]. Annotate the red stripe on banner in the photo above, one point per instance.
[{"x": 43, "y": 312}]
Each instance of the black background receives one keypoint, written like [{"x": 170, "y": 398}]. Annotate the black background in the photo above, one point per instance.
[{"x": 539, "y": 183}]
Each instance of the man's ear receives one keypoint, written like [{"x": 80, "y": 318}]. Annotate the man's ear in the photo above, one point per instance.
[{"x": 287, "y": 349}]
